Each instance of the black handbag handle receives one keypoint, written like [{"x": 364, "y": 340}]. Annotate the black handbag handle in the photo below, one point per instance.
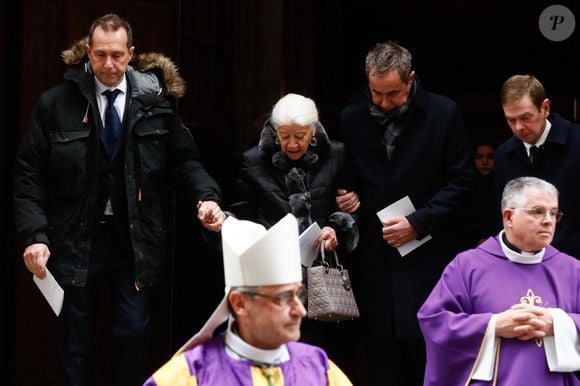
[{"x": 339, "y": 267}]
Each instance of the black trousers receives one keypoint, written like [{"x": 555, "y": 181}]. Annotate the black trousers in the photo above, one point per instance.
[
  {"x": 110, "y": 266},
  {"x": 338, "y": 341},
  {"x": 392, "y": 362}
]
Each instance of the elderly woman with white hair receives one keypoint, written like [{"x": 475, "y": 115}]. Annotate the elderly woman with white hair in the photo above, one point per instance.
[{"x": 296, "y": 168}]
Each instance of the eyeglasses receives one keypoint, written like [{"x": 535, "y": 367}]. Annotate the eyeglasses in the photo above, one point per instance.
[
  {"x": 284, "y": 299},
  {"x": 539, "y": 213}
]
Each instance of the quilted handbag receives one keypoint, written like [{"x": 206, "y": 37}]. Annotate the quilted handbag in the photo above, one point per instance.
[{"x": 330, "y": 296}]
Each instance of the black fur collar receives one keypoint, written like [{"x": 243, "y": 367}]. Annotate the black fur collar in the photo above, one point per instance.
[{"x": 270, "y": 150}]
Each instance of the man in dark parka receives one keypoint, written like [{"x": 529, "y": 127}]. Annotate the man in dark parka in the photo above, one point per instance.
[{"x": 92, "y": 177}]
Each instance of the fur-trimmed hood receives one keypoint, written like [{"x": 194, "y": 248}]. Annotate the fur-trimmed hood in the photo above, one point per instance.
[
  {"x": 269, "y": 149},
  {"x": 143, "y": 68}
]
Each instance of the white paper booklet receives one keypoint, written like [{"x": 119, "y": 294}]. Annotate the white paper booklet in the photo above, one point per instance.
[
  {"x": 52, "y": 292},
  {"x": 402, "y": 208},
  {"x": 307, "y": 251}
]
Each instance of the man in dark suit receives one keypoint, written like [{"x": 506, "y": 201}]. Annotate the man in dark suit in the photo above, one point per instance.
[
  {"x": 404, "y": 141},
  {"x": 544, "y": 145}
]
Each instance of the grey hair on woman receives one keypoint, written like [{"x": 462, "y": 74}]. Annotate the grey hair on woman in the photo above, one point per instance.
[
  {"x": 294, "y": 109},
  {"x": 515, "y": 191}
]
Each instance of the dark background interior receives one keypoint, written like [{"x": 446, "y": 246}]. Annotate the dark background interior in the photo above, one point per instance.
[{"x": 238, "y": 58}]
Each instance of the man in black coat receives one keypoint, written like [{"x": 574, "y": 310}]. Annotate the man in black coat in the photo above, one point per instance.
[
  {"x": 91, "y": 183},
  {"x": 544, "y": 145},
  {"x": 404, "y": 141}
]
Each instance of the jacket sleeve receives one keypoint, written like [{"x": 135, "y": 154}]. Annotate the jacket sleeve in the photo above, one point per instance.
[
  {"x": 459, "y": 179},
  {"x": 245, "y": 204},
  {"x": 31, "y": 180},
  {"x": 189, "y": 175},
  {"x": 346, "y": 227}
]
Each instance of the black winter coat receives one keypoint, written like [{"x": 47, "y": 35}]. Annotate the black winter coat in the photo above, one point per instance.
[
  {"x": 433, "y": 165},
  {"x": 56, "y": 200},
  {"x": 270, "y": 186},
  {"x": 558, "y": 162}
]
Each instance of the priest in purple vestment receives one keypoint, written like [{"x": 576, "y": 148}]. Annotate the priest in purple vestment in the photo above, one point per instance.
[
  {"x": 264, "y": 294},
  {"x": 508, "y": 312}
]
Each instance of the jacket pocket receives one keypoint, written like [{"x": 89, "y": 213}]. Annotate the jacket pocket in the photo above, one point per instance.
[
  {"x": 152, "y": 144},
  {"x": 151, "y": 140},
  {"x": 68, "y": 159}
]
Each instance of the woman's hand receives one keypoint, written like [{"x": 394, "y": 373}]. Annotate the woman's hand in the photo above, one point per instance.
[{"x": 328, "y": 237}]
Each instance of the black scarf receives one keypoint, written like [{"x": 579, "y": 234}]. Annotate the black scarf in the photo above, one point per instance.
[{"x": 393, "y": 122}]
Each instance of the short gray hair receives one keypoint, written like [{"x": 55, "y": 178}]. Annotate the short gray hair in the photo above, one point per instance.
[
  {"x": 242, "y": 289},
  {"x": 515, "y": 191},
  {"x": 384, "y": 57},
  {"x": 294, "y": 109},
  {"x": 245, "y": 289}
]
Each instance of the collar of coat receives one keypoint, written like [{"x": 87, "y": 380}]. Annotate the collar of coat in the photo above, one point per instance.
[
  {"x": 362, "y": 97},
  {"x": 269, "y": 149},
  {"x": 558, "y": 134},
  {"x": 150, "y": 72}
]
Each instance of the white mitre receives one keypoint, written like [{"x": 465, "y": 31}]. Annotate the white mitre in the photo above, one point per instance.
[
  {"x": 256, "y": 257},
  {"x": 253, "y": 256}
]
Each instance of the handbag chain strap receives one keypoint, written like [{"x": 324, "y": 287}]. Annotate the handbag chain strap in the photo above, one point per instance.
[{"x": 339, "y": 267}]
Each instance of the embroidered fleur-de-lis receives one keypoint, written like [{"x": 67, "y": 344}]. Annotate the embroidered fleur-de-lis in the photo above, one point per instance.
[
  {"x": 531, "y": 298},
  {"x": 534, "y": 300}
]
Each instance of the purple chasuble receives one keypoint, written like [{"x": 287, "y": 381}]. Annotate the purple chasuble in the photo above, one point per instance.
[
  {"x": 479, "y": 283},
  {"x": 211, "y": 365}
]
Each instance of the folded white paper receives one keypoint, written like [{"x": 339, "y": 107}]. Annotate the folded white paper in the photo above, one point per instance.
[
  {"x": 53, "y": 293},
  {"x": 307, "y": 251},
  {"x": 402, "y": 208}
]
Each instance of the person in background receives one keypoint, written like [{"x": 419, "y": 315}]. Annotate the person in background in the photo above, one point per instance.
[
  {"x": 508, "y": 311},
  {"x": 263, "y": 300},
  {"x": 403, "y": 142},
  {"x": 479, "y": 218},
  {"x": 543, "y": 145},
  {"x": 91, "y": 182},
  {"x": 484, "y": 152}
]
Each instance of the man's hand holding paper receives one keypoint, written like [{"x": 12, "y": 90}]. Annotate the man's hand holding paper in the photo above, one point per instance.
[
  {"x": 397, "y": 231},
  {"x": 51, "y": 290},
  {"x": 35, "y": 257}
]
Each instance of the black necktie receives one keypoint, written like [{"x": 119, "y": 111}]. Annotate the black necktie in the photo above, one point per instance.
[
  {"x": 112, "y": 121},
  {"x": 533, "y": 153}
]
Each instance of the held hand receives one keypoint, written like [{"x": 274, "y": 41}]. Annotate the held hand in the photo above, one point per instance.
[
  {"x": 210, "y": 215},
  {"x": 347, "y": 201},
  {"x": 35, "y": 258},
  {"x": 328, "y": 237},
  {"x": 398, "y": 231}
]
